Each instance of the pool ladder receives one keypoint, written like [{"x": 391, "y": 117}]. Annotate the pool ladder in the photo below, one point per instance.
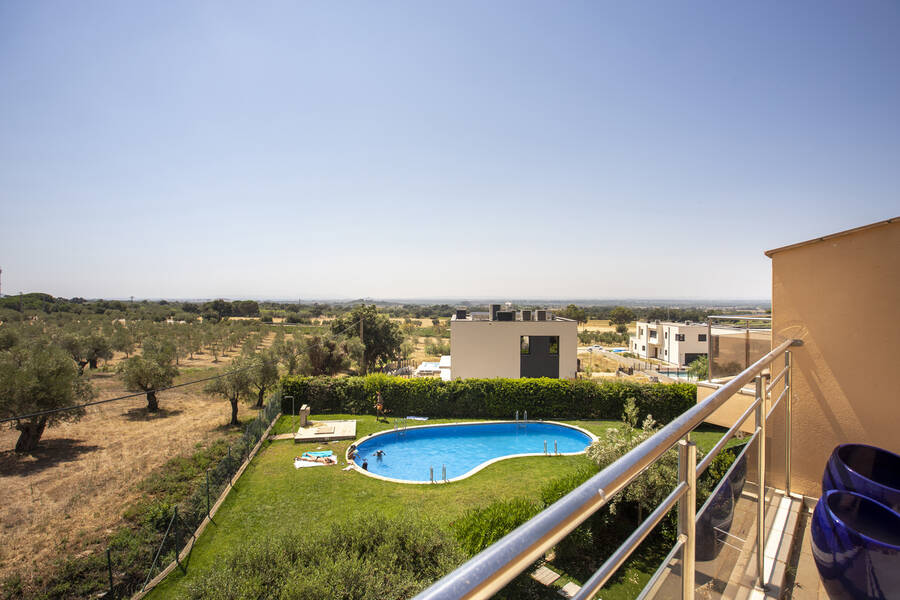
[
  {"x": 525, "y": 420},
  {"x": 443, "y": 474},
  {"x": 400, "y": 427}
]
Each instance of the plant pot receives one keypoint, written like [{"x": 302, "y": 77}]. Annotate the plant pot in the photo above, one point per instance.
[
  {"x": 856, "y": 546},
  {"x": 870, "y": 471}
]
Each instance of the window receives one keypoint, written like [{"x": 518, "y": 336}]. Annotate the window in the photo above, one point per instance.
[
  {"x": 679, "y": 337},
  {"x": 666, "y": 334},
  {"x": 653, "y": 335},
  {"x": 524, "y": 345},
  {"x": 554, "y": 344},
  {"x": 640, "y": 331},
  {"x": 666, "y": 352},
  {"x": 701, "y": 337},
  {"x": 643, "y": 348}
]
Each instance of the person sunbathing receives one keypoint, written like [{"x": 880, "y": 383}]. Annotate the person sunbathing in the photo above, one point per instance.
[{"x": 328, "y": 460}]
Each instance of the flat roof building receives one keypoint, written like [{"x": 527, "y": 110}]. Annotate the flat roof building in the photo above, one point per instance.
[
  {"x": 675, "y": 343},
  {"x": 513, "y": 344}
]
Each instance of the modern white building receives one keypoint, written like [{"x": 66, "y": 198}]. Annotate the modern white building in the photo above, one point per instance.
[
  {"x": 675, "y": 343},
  {"x": 506, "y": 343}
]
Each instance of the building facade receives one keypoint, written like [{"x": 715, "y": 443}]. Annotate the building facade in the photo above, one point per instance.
[
  {"x": 512, "y": 344},
  {"x": 675, "y": 343}
]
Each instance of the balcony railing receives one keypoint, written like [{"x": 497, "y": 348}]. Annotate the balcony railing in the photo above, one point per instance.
[{"x": 489, "y": 571}]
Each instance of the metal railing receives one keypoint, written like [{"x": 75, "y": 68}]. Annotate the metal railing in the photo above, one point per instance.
[{"x": 489, "y": 571}]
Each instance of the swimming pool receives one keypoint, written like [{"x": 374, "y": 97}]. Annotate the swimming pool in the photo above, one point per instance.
[{"x": 463, "y": 448}]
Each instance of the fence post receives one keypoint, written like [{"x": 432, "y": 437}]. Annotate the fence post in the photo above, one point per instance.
[
  {"x": 177, "y": 560},
  {"x": 761, "y": 467},
  {"x": 109, "y": 570},
  {"x": 687, "y": 516},
  {"x": 207, "y": 493}
]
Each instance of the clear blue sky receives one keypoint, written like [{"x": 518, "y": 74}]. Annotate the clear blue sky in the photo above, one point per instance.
[{"x": 483, "y": 149}]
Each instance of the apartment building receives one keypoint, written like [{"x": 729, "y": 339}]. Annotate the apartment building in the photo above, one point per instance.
[
  {"x": 675, "y": 343},
  {"x": 513, "y": 344}
]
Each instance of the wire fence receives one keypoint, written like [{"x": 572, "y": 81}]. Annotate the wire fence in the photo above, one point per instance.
[{"x": 130, "y": 570}]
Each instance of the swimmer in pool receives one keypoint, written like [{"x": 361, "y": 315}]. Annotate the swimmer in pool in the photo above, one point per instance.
[{"x": 379, "y": 454}]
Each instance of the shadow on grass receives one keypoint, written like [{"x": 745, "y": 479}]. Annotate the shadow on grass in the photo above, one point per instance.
[
  {"x": 49, "y": 453},
  {"x": 141, "y": 414}
]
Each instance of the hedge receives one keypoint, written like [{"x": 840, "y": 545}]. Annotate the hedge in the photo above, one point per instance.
[{"x": 487, "y": 398}]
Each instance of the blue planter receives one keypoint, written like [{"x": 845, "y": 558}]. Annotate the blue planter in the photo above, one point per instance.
[
  {"x": 856, "y": 546},
  {"x": 868, "y": 470}
]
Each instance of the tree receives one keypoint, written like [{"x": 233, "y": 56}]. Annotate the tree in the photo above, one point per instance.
[
  {"x": 234, "y": 384},
  {"x": 264, "y": 373},
  {"x": 96, "y": 347},
  {"x": 122, "y": 340},
  {"x": 575, "y": 313},
  {"x": 653, "y": 485},
  {"x": 75, "y": 346},
  {"x": 154, "y": 368},
  {"x": 289, "y": 353},
  {"x": 621, "y": 315},
  {"x": 36, "y": 377},
  {"x": 381, "y": 336},
  {"x": 699, "y": 369},
  {"x": 325, "y": 355},
  {"x": 621, "y": 328}
]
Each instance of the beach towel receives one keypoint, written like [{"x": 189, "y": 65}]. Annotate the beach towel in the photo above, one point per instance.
[
  {"x": 417, "y": 418},
  {"x": 302, "y": 464},
  {"x": 319, "y": 454}
]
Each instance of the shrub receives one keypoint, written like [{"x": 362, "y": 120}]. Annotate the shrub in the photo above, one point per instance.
[
  {"x": 489, "y": 398},
  {"x": 374, "y": 558},
  {"x": 478, "y": 528}
]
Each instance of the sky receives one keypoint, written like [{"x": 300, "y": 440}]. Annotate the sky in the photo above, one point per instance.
[{"x": 421, "y": 150}]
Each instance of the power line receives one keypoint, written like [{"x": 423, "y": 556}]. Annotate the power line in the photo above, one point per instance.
[{"x": 142, "y": 393}]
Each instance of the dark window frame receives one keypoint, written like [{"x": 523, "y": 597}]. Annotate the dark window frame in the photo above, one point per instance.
[
  {"x": 554, "y": 341},
  {"x": 524, "y": 345}
]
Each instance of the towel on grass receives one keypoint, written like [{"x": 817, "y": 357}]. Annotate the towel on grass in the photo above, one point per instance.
[
  {"x": 417, "y": 418},
  {"x": 300, "y": 464},
  {"x": 319, "y": 454}
]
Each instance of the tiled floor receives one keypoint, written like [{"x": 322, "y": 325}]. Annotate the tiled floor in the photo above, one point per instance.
[{"x": 807, "y": 584}]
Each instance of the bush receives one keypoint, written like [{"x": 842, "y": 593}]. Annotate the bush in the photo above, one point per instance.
[
  {"x": 374, "y": 558},
  {"x": 488, "y": 398},
  {"x": 480, "y": 527}
]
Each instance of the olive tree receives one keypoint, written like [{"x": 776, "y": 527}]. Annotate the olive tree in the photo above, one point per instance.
[
  {"x": 264, "y": 373},
  {"x": 234, "y": 384},
  {"x": 36, "y": 377},
  {"x": 381, "y": 337},
  {"x": 154, "y": 368},
  {"x": 325, "y": 355}
]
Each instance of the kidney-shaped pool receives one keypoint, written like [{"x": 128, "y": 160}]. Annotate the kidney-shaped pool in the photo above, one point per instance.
[{"x": 410, "y": 454}]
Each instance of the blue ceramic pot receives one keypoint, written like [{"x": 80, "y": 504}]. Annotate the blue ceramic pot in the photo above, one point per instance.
[
  {"x": 868, "y": 470},
  {"x": 856, "y": 546}
]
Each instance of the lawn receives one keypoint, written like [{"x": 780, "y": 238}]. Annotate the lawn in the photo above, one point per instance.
[{"x": 273, "y": 496}]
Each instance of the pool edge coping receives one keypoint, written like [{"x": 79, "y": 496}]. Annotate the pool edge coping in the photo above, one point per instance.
[{"x": 470, "y": 472}]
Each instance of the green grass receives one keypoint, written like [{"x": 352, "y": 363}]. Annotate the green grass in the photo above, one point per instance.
[{"x": 272, "y": 496}]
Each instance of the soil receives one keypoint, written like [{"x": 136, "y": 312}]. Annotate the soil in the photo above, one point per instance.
[{"x": 73, "y": 489}]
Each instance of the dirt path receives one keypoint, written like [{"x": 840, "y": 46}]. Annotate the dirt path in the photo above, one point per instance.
[{"x": 71, "y": 492}]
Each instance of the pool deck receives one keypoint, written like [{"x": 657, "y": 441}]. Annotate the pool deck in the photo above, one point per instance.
[{"x": 326, "y": 431}]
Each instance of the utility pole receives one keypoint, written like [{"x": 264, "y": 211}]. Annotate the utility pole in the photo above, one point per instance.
[{"x": 362, "y": 320}]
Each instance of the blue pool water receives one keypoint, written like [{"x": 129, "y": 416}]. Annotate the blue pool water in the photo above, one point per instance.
[{"x": 409, "y": 454}]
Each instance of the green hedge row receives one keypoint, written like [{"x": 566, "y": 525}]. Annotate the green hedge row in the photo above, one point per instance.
[{"x": 487, "y": 398}]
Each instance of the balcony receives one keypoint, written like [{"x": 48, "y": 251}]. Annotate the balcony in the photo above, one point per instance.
[{"x": 814, "y": 380}]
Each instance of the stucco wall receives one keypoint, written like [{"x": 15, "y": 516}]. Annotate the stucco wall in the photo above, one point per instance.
[
  {"x": 491, "y": 348},
  {"x": 841, "y": 296}
]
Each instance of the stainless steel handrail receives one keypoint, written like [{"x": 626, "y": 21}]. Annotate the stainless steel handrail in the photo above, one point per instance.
[{"x": 487, "y": 572}]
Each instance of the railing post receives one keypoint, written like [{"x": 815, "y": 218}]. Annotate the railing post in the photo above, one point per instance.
[
  {"x": 761, "y": 467},
  {"x": 788, "y": 386},
  {"x": 687, "y": 515}
]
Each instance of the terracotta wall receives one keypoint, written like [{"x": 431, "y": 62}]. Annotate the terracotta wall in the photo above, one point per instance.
[{"x": 841, "y": 296}]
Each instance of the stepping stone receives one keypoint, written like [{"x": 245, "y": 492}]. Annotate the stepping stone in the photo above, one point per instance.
[
  {"x": 544, "y": 575},
  {"x": 569, "y": 590}
]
